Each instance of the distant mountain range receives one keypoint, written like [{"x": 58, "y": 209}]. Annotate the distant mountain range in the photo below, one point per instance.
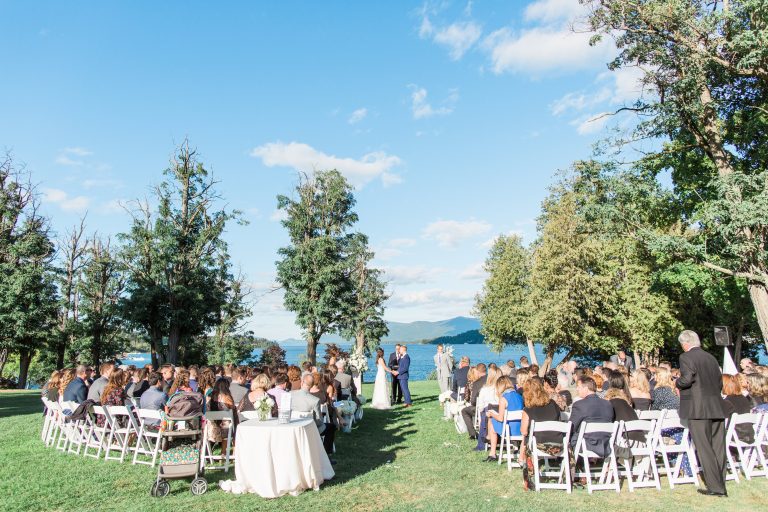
[
  {"x": 472, "y": 337},
  {"x": 412, "y": 332}
]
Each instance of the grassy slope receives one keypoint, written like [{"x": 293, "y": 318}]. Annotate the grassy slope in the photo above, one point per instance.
[{"x": 403, "y": 459}]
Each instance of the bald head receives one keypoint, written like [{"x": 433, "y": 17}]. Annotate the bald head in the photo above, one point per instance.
[{"x": 307, "y": 382}]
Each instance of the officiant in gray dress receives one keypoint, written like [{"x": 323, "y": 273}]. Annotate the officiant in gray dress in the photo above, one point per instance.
[{"x": 444, "y": 366}]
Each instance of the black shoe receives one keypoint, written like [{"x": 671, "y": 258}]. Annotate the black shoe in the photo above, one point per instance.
[
  {"x": 474, "y": 438},
  {"x": 333, "y": 461},
  {"x": 490, "y": 459},
  {"x": 707, "y": 492}
]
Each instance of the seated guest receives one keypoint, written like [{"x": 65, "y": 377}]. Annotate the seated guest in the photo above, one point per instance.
[
  {"x": 468, "y": 413},
  {"x": 640, "y": 390},
  {"x": 113, "y": 393},
  {"x": 618, "y": 396},
  {"x": 154, "y": 398},
  {"x": 551, "y": 387},
  {"x": 168, "y": 374},
  {"x": 221, "y": 400},
  {"x": 746, "y": 364},
  {"x": 237, "y": 387},
  {"x": 524, "y": 362},
  {"x": 460, "y": 377},
  {"x": 303, "y": 401},
  {"x": 506, "y": 368},
  {"x": 306, "y": 368},
  {"x": 193, "y": 373},
  {"x": 591, "y": 409},
  {"x": 758, "y": 391},
  {"x": 599, "y": 381},
  {"x": 346, "y": 383},
  {"x": 76, "y": 390},
  {"x": 538, "y": 407},
  {"x": 51, "y": 388},
  {"x": 259, "y": 387},
  {"x": 565, "y": 375},
  {"x": 138, "y": 383},
  {"x": 294, "y": 377},
  {"x": 509, "y": 400},
  {"x": 665, "y": 394},
  {"x": 734, "y": 402},
  {"x": 281, "y": 387},
  {"x": 94, "y": 392},
  {"x": 206, "y": 378},
  {"x": 487, "y": 400}
]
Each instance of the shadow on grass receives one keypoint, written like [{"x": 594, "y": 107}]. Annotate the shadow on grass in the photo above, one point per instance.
[{"x": 17, "y": 403}]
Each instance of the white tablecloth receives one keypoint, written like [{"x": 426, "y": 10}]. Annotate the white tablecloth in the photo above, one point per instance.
[{"x": 272, "y": 460}]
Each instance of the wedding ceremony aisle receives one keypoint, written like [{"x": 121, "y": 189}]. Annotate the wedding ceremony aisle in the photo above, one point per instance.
[{"x": 402, "y": 459}]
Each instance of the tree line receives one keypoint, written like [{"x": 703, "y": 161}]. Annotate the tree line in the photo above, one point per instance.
[{"x": 631, "y": 250}]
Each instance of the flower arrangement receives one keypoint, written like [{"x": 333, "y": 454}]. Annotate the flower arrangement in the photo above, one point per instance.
[
  {"x": 361, "y": 398},
  {"x": 346, "y": 407},
  {"x": 444, "y": 396},
  {"x": 264, "y": 406},
  {"x": 359, "y": 361},
  {"x": 448, "y": 350}
]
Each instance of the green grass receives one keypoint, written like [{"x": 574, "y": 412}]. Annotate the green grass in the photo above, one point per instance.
[{"x": 393, "y": 460}]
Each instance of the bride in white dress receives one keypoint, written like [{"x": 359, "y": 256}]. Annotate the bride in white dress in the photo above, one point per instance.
[{"x": 380, "y": 386}]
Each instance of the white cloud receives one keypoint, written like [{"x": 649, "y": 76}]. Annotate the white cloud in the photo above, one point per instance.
[
  {"x": 553, "y": 10},
  {"x": 422, "y": 109},
  {"x": 65, "y": 160},
  {"x": 94, "y": 183},
  {"x": 435, "y": 297},
  {"x": 590, "y": 124},
  {"x": 473, "y": 272},
  {"x": 78, "y": 151},
  {"x": 404, "y": 275},
  {"x": 459, "y": 37},
  {"x": 304, "y": 157},
  {"x": 449, "y": 233},
  {"x": 278, "y": 216},
  {"x": 358, "y": 115},
  {"x": 388, "y": 179},
  {"x": 579, "y": 101},
  {"x": 542, "y": 49},
  {"x": 66, "y": 203},
  {"x": 402, "y": 242}
]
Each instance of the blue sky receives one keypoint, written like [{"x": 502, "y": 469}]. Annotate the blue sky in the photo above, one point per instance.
[{"x": 451, "y": 118}]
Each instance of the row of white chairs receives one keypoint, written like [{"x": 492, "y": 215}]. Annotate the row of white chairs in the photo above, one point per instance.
[{"x": 640, "y": 463}]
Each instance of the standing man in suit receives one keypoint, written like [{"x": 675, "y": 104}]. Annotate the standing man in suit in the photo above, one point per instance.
[
  {"x": 402, "y": 374},
  {"x": 701, "y": 406},
  {"x": 468, "y": 413},
  {"x": 444, "y": 366},
  {"x": 621, "y": 359},
  {"x": 394, "y": 361}
]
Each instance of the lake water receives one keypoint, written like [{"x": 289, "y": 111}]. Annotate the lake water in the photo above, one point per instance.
[{"x": 422, "y": 363}]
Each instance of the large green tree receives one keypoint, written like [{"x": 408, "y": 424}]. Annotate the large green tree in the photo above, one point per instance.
[
  {"x": 314, "y": 268},
  {"x": 503, "y": 305},
  {"x": 705, "y": 63}
]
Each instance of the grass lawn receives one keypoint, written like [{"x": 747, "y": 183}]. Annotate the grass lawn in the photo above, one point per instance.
[{"x": 393, "y": 460}]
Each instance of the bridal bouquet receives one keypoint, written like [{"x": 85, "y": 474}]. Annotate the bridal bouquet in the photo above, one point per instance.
[
  {"x": 448, "y": 350},
  {"x": 264, "y": 406},
  {"x": 359, "y": 361}
]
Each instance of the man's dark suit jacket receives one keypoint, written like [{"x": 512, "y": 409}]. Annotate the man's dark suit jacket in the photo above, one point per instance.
[
  {"x": 629, "y": 363},
  {"x": 475, "y": 389},
  {"x": 393, "y": 361},
  {"x": 591, "y": 409},
  {"x": 76, "y": 391},
  {"x": 459, "y": 378},
  {"x": 700, "y": 385}
]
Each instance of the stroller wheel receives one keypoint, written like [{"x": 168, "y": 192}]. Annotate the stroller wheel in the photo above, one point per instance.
[
  {"x": 160, "y": 489},
  {"x": 198, "y": 486}
]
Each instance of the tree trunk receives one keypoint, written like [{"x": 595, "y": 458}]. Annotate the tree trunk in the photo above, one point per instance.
[
  {"x": 360, "y": 342},
  {"x": 25, "y": 358},
  {"x": 737, "y": 341},
  {"x": 548, "y": 357},
  {"x": 759, "y": 296},
  {"x": 173, "y": 344},
  {"x": 3, "y": 360},
  {"x": 96, "y": 350},
  {"x": 532, "y": 351},
  {"x": 312, "y": 350}
]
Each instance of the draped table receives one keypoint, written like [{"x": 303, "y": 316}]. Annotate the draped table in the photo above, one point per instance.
[{"x": 273, "y": 459}]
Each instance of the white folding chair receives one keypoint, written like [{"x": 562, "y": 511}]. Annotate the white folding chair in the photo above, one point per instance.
[
  {"x": 563, "y": 474},
  {"x": 641, "y": 460},
  {"x": 54, "y": 427},
  {"x": 666, "y": 447},
  {"x": 80, "y": 430},
  {"x": 209, "y": 459},
  {"x": 300, "y": 415},
  {"x": 506, "y": 448},
  {"x": 649, "y": 415},
  {"x": 97, "y": 435},
  {"x": 608, "y": 475},
  {"x": 460, "y": 393},
  {"x": 47, "y": 417},
  {"x": 66, "y": 428},
  {"x": 148, "y": 437},
  {"x": 750, "y": 455},
  {"x": 324, "y": 413},
  {"x": 119, "y": 435}
]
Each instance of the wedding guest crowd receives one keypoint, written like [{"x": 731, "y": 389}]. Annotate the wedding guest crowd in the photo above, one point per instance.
[{"x": 612, "y": 391}]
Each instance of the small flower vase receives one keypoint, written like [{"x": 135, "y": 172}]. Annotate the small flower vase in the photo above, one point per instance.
[
  {"x": 263, "y": 415},
  {"x": 348, "y": 423}
]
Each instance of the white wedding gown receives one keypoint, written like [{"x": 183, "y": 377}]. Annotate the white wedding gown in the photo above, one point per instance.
[{"x": 380, "y": 388}]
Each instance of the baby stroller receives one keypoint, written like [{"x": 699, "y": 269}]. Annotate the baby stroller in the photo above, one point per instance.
[{"x": 180, "y": 445}]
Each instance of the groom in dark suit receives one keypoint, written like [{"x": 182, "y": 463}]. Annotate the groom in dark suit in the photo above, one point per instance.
[
  {"x": 394, "y": 360},
  {"x": 402, "y": 374}
]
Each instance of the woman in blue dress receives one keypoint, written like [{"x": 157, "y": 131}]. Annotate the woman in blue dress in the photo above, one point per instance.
[{"x": 509, "y": 400}]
